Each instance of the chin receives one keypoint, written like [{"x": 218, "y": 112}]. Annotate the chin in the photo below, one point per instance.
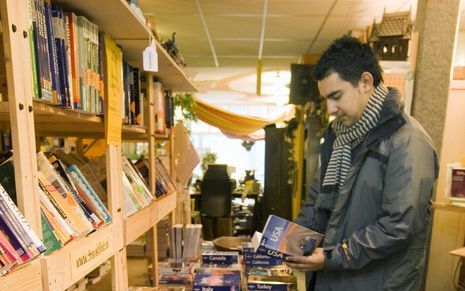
[{"x": 347, "y": 123}]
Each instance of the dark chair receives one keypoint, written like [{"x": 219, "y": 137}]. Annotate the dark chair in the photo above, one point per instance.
[{"x": 215, "y": 198}]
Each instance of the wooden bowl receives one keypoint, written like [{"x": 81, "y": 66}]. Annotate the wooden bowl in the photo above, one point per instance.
[{"x": 230, "y": 243}]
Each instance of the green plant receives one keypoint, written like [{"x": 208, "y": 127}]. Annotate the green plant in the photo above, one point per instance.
[
  {"x": 208, "y": 158},
  {"x": 187, "y": 104}
]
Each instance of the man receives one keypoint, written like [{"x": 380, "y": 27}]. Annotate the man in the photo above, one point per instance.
[{"x": 371, "y": 196}]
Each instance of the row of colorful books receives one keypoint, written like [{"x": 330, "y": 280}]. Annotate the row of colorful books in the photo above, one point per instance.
[
  {"x": 66, "y": 57},
  {"x": 134, "y": 96},
  {"x": 219, "y": 270},
  {"x": 164, "y": 183},
  {"x": 18, "y": 242},
  {"x": 69, "y": 208},
  {"x": 185, "y": 242},
  {"x": 136, "y": 193},
  {"x": 67, "y": 52}
]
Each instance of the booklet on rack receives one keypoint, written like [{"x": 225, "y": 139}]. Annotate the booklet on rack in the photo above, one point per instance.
[{"x": 282, "y": 238}]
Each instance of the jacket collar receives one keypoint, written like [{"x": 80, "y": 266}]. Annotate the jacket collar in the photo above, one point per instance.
[{"x": 391, "y": 119}]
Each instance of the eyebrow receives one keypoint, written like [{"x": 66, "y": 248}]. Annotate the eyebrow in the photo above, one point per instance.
[{"x": 332, "y": 94}]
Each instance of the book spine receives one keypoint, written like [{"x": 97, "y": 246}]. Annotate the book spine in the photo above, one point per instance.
[
  {"x": 58, "y": 215},
  {"x": 78, "y": 177},
  {"x": 33, "y": 50},
  {"x": 22, "y": 221},
  {"x": 74, "y": 57},
  {"x": 44, "y": 56},
  {"x": 21, "y": 249},
  {"x": 61, "y": 209},
  {"x": 50, "y": 239},
  {"x": 14, "y": 226},
  {"x": 53, "y": 57}
]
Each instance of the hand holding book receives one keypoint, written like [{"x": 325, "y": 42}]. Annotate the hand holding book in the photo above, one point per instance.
[{"x": 314, "y": 262}]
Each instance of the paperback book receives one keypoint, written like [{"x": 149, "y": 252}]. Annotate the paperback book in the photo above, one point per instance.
[
  {"x": 282, "y": 238},
  {"x": 217, "y": 280}
]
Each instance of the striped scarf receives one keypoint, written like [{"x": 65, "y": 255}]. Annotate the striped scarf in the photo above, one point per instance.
[{"x": 347, "y": 138}]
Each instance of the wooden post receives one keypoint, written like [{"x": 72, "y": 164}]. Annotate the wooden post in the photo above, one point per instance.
[
  {"x": 155, "y": 255},
  {"x": 15, "y": 26},
  {"x": 115, "y": 200}
]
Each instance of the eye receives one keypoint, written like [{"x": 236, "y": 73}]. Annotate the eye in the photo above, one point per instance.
[{"x": 336, "y": 97}]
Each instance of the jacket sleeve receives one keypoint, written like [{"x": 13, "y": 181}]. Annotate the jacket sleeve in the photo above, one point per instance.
[
  {"x": 408, "y": 185},
  {"x": 306, "y": 213}
]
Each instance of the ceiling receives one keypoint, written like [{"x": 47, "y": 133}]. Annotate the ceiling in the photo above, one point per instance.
[
  {"x": 234, "y": 33},
  {"x": 221, "y": 40}
]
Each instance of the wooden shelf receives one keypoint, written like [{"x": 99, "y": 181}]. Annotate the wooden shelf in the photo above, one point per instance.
[
  {"x": 134, "y": 132},
  {"x": 69, "y": 264},
  {"x": 56, "y": 121},
  {"x": 165, "y": 205},
  {"x": 140, "y": 222},
  {"x": 458, "y": 252},
  {"x": 162, "y": 136},
  {"x": 27, "y": 277},
  {"x": 448, "y": 207},
  {"x": 118, "y": 20}
]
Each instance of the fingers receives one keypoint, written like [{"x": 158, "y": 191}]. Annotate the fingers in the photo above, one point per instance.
[
  {"x": 302, "y": 266},
  {"x": 299, "y": 259}
]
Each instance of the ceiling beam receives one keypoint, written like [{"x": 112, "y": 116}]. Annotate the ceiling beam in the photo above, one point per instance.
[
  {"x": 207, "y": 32},
  {"x": 260, "y": 50},
  {"x": 262, "y": 33},
  {"x": 317, "y": 35}
]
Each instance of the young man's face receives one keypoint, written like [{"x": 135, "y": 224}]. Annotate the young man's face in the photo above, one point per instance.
[{"x": 343, "y": 100}]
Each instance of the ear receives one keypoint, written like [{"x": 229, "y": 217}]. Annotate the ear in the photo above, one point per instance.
[{"x": 366, "y": 82}]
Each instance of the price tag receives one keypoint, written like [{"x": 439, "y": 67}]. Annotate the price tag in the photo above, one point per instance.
[{"x": 150, "y": 58}]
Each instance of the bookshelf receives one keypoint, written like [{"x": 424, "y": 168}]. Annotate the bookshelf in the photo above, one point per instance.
[
  {"x": 116, "y": 18},
  {"x": 67, "y": 265},
  {"x": 448, "y": 207},
  {"x": 138, "y": 223},
  {"x": 28, "y": 118}
]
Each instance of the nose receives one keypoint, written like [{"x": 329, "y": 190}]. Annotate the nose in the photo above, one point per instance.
[{"x": 331, "y": 105}]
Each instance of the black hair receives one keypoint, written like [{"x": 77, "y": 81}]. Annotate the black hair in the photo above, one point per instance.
[{"x": 348, "y": 57}]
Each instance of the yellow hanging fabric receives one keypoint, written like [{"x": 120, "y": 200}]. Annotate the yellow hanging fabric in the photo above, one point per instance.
[{"x": 232, "y": 124}]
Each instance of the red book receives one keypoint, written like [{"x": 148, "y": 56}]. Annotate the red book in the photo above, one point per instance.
[{"x": 457, "y": 189}]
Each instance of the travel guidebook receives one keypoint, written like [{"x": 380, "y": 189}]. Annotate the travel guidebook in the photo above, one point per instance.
[{"x": 282, "y": 238}]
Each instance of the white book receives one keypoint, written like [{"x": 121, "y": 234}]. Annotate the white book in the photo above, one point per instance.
[
  {"x": 21, "y": 220},
  {"x": 68, "y": 229},
  {"x": 47, "y": 169}
]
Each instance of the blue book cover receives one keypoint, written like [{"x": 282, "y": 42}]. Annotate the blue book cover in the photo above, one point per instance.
[
  {"x": 220, "y": 258},
  {"x": 254, "y": 260},
  {"x": 283, "y": 238},
  {"x": 59, "y": 38},
  {"x": 269, "y": 286},
  {"x": 217, "y": 280}
]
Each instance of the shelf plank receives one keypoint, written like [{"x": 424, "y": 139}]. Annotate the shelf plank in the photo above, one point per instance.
[
  {"x": 27, "y": 277},
  {"x": 56, "y": 121},
  {"x": 68, "y": 265},
  {"x": 165, "y": 205},
  {"x": 115, "y": 18},
  {"x": 134, "y": 132},
  {"x": 138, "y": 223},
  {"x": 448, "y": 207},
  {"x": 162, "y": 136},
  {"x": 147, "y": 218},
  {"x": 458, "y": 252}
]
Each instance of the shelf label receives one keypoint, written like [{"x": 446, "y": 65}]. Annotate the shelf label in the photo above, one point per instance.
[
  {"x": 90, "y": 256},
  {"x": 150, "y": 58}
]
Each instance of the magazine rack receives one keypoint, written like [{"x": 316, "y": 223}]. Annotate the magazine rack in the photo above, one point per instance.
[{"x": 27, "y": 117}]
